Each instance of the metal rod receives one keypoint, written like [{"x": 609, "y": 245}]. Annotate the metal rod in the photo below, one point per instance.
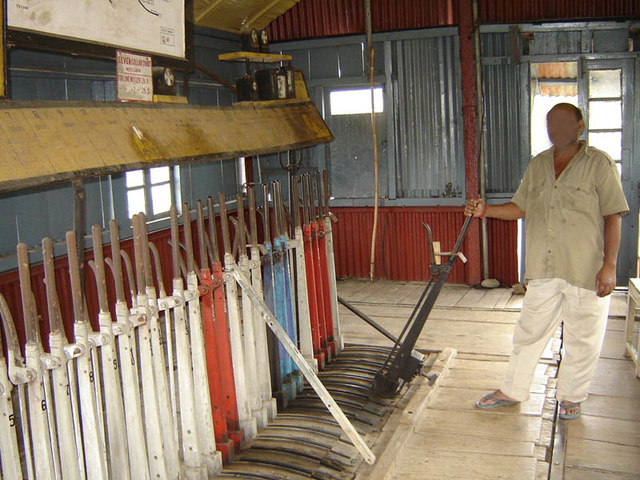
[
  {"x": 79, "y": 214},
  {"x": 188, "y": 237},
  {"x": 215, "y": 77},
  {"x": 224, "y": 224},
  {"x": 202, "y": 243},
  {"x": 368, "y": 320},
  {"x": 213, "y": 234},
  {"x": 116, "y": 261}
]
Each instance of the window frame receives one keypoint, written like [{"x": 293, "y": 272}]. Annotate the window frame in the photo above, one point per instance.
[
  {"x": 147, "y": 187},
  {"x": 365, "y": 90}
]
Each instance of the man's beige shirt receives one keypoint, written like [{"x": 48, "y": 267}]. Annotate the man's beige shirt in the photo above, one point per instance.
[{"x": 564, "y": 224}]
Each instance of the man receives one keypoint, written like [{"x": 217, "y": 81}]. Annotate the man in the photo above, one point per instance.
[{"x": 572, "y": 201}]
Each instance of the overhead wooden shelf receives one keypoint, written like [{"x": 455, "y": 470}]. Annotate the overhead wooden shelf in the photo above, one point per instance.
[
  {"x": 235, "y": 15},
  {"x": 48, "y": 142},
  {"x": 253, "y": 57}
]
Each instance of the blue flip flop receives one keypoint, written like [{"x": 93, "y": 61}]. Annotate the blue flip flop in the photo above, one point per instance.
[
  {"x": 497, "y": 402},
  {"x": 567, "y": 407}
]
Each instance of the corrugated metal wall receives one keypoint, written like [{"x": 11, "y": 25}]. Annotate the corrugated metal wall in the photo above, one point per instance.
[
  {"x": 506, "y": 117},
  {"x": 423, "y": 108},
  {"x": 429, "y": 147},
  {"x": 322, "y": 18},
  {"x": 510, "y": 11},
  {"x": 403, "y": 247}
]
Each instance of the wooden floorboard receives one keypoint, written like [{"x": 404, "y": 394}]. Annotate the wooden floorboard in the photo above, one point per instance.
[
  {"x": 463, "y": 465},
  {"x": 472, "y": 299},
  {"x": 610, "y": 406},
  {"x": 602, "y": 456},
  {"x": 605, "y": 429},
  {"x": 586, "y": 474},
  {"x": 453, "y": 439}
]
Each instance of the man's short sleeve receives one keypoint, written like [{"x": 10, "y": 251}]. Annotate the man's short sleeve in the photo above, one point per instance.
[{"x": 610, "y": 193}]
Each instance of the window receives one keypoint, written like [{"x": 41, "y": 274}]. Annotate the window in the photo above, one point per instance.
[
  {"x": 605, "y": 112},
  {"x": 241, "y": 173},
  {"x": 551, "y": 83},
  {"x": 353, "y": 102},
  {"x": 152, "y": 191}
]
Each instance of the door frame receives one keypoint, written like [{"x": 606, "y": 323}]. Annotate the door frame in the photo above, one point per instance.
[{"x": 628, "y": 256}]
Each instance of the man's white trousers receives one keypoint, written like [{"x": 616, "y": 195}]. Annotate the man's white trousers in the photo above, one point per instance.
[{"x": 584, "y": 315}]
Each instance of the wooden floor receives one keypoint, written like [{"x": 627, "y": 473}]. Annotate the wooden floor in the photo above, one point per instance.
[{"x": 452, "y": 439}]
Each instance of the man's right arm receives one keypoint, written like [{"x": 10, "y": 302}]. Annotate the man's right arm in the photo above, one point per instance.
[{"x": 505, "y": 211}]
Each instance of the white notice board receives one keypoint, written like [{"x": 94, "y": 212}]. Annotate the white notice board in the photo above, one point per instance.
[
  {"x": 134, "y": 78},
  {"x": 154, "y": 26}
]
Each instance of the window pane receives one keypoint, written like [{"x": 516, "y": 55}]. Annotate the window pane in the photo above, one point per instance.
[
  {"x": 135, "y": 201},
  {"x": 134, "y": 178},
  {"x": 161, "y": 198},
  {"x": 605, "y": 114},
  {"x": 159, "y": 175},
  {"x": 604, "y": 83},
  {"x": 350, "y": 102},
  {"x": 610, "y": 142}
]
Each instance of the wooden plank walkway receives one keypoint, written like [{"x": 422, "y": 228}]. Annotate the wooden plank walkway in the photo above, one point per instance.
[{"x": 452, "y": 439}]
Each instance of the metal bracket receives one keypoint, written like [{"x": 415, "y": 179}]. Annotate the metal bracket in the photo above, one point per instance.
[
  {"x": 138, "y": 319},
  {"x": 460, "y": 255},
  {"x": 120, "y": 328},
  {"x": 190, "y": 295},
  {"x": 171, "y": 301},
  {"x": 98, "y": 339},
  {"x": 203, "y": 290},
  {"x": 152, "y": 309},
  {"x": 138, "y": 315},
  {"x": 49, "y": 362},
  {"x": 21, "y": 375},
  {"x": 294, "y": 243},
  {"x": 253, "y": 264},
  {"x": 73, "y": 350}
]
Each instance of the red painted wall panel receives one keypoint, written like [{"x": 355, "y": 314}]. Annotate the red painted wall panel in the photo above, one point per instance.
[
  {"x": 402, "y": 251},
  {"x": 509, "y": 11},
  {"x": 502, "y": 241},
  {"x": 402, "y": 245},
  {"x": 323, "y": 18}
]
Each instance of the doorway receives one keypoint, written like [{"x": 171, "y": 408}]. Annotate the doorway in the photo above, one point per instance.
[{"x": 604, "y": 92}]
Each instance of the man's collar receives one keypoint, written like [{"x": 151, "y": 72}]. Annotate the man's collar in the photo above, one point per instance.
[{"x": 582, "y": 147}]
